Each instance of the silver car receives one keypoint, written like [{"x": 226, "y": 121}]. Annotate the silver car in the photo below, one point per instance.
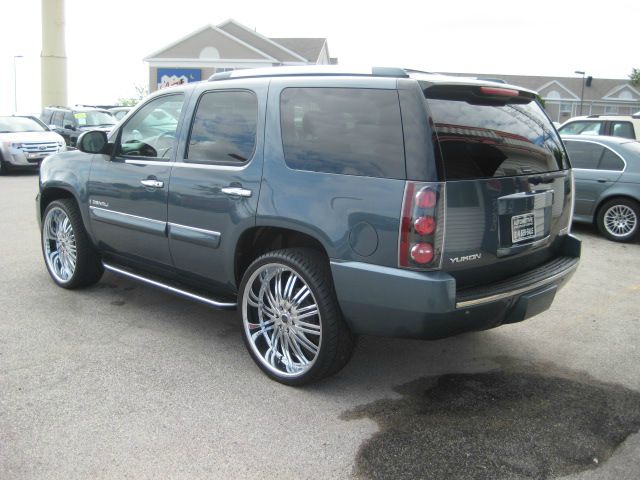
[
  {"x": 25, "y": 141},
  {"x": 607, "y": 178}
]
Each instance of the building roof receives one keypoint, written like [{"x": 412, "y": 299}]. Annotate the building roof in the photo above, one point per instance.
[
  {"x": 568, "y": 87},
  {"x": 309, "y": 48},
  {"x": 245, "y": 43}
]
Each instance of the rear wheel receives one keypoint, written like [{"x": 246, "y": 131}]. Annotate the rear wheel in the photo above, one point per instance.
[
  {"x": 68, "y": 253},
  {"x": 618, "y": 219},
  {"x": 292, "y": 325}
]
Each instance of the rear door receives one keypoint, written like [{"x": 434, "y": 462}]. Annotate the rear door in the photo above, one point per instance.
[
  {"x": 596, "y": 168},
  {"x": 507, "y": 181},
  {"x": 215, "y": 181}
]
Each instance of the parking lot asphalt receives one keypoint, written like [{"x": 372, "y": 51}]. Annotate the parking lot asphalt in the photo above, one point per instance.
[{"x": 124, "y": 381}]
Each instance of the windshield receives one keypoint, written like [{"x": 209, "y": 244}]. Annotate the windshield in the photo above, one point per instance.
[
  {"x": 20, "y": 124},
  {"x": 94, "y": 118}
]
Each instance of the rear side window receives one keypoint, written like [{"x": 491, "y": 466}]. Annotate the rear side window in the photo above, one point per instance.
[
  {"x": 622, "y": 129},
  {"x": 224, "y": 128},
  {"x": 484, "y": 141},
  {"x": 343, "y": 130},
  {"x": 583, "y": 128},
  {"x": 583, "y": 154},
  {"x": 611, "y": 161}
]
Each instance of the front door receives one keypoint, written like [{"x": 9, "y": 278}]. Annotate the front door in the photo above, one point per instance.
[
  {"x": 128, "y": 190},
  {"x": 215, "y": 183}
]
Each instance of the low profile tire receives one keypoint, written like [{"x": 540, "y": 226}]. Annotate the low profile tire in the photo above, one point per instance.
[
  {"x": 68, "y": 253},
  {"x": 618, "y": 219},
  {"x": 291, "y": 321}
]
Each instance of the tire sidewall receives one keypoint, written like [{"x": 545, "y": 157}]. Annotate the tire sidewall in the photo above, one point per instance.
[
  {"x": 323, "y": 308},
  {"x": 62, "y": 206},
  {"x": 612, "y": 203}
]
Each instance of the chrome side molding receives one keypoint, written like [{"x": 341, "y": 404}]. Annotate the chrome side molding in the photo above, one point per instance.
[{"x": 178, "y": 291}]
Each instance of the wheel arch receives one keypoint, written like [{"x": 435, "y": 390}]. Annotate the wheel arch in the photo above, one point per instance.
[
  {"x": 259, "y": 240},
  {"x": 51, "y": 193}
]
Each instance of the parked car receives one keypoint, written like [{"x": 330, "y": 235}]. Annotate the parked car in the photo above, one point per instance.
[
  {"x": 607, "y": 177},
  {"x": 25, "y": 141},
  {"x": 323, "y": 203},
  {"x": 70, "y": 122},
  {"x": 119, "y": 112},
  {"x": 625, "y": 126}
]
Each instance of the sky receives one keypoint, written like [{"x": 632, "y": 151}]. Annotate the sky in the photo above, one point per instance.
[{"x": 106, "y": 41}]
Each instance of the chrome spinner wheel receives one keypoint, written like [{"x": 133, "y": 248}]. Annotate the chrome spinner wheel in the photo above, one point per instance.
[
  {"x": 620, "y": 220},
  {"x": 59, "y": 244},
  {"x": 281, "y": 320}
]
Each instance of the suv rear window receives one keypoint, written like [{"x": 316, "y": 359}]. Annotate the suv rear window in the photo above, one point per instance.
[
  {"x": 349, "y": 131},
  {"x": 494, "y": 140}
]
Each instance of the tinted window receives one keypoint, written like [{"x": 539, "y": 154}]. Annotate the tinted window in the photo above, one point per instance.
[
  {"x": 582, "y": 128},
  {"x": 224, "y": 128},
  {"x": 46, "y": 117},
  {"x": 611, "y": 161},
  {"x": 343, "y": 130},
  {"x": 584, "y": 154},
  {"x": 482, "y": 141},
  {"x": 622, "y": 129},
  {"x": 151, "y": 131},
  {"x": 57, "y": 119},
  {"x": 68, "y": 119}
]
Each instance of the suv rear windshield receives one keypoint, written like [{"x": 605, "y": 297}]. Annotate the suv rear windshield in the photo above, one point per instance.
[{"x": 494, "y": 140}]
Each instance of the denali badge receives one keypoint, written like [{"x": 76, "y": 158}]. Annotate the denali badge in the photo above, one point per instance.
[{"x": 466, "y": 258}]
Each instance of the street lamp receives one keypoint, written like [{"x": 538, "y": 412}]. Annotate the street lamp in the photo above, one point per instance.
[
  {"x": 582, "y": 93},
  {"x": 15, "y": 84}
]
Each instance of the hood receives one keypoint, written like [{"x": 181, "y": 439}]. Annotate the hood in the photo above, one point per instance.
[
  {"x": 20, "y": 137},
  {"x": 100, "y": 129}
]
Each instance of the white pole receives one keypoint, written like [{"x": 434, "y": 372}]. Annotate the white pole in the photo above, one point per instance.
[{"x": 53, "y": 57}]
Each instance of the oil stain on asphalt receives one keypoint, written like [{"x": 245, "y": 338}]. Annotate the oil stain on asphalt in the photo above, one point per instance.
[{"x": 496, "y": 425}]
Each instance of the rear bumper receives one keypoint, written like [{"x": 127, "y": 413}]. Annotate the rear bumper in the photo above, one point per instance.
[{"x": 401, "y": 303}]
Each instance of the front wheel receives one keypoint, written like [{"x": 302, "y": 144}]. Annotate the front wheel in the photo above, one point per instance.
[
  {"x": 292, "y": 324},
  {"x": 618, "y": 219},
  {"x": 68, "y": 253}
]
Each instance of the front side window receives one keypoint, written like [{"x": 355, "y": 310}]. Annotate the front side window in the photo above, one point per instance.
[
  {"x": 151, "y": 131},
  {"x": 582, "y": 128},
  {"x": 57, "y": 119},
  {"x": 224, "y": 128},
  {"x": 584, "y": 154},
  {"x": 343, "y": 130},
  {"x": 68, "y": 120}
]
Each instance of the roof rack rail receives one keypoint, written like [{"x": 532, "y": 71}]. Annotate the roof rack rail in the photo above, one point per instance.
[
  {"x": 311, "y": 70},
  {"x": 597, "y": 115}
]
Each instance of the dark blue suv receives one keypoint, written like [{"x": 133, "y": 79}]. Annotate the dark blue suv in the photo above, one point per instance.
[{"x": 323, "y": 204}]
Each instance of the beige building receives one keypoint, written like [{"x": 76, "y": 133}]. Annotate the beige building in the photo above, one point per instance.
[
  {"x": 229, "y": 46},
  {"x": 561, "y": 95}
]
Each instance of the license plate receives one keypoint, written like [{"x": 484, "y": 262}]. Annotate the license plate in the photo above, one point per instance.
[
  {"x": 523, "y": 227},
  {"x": 35, "y": 155}
]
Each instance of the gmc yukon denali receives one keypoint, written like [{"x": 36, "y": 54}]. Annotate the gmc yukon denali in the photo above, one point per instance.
[{"x": 323, "y": 204}]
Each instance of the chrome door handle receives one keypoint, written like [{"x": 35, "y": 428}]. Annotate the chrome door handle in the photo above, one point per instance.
[
  {"x": 602, "y": 180},
  {"x": 236, "y": 192},
  {"x": 152, "y": 183}
]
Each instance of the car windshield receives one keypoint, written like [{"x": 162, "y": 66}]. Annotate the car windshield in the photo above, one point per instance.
[
  {"x": 94, "y": 118},
  {"x": 20, "y": 124}
]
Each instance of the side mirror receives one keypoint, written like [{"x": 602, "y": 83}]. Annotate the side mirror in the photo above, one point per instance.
[
  {"x": 69, "y": 127},
  {"x": 94, "y": 141}
]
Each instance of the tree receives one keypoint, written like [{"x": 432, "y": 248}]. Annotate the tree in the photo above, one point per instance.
[
  {"x": 635, "y": 76},
  {"x": 141, "y": 92}
]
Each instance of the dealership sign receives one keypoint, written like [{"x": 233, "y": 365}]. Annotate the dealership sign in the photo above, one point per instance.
[{"x": 168, "y": 77}]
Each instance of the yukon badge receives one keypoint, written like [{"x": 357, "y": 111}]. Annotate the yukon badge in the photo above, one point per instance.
[{"x": 466, "y": 258}]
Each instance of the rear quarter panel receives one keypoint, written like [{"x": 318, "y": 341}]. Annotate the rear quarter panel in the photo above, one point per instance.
[{"x": 354, "y": 217}]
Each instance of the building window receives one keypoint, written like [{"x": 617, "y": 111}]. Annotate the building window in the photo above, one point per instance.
[
  {"x": 610, "y": 109},
  {"x": 566, "y": 108}
]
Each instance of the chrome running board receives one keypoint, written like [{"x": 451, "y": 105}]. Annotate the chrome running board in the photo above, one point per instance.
[{"x": 178, "y": 291}]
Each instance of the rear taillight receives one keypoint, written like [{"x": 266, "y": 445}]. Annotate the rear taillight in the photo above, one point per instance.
[{"x": 422, "y": 226}]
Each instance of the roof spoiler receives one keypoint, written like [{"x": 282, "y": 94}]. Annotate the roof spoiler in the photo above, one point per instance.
[{"x": 479, "y": 94}]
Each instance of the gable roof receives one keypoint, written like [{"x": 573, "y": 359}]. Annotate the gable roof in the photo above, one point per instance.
[
  {"x": 280, "y": 52},
  {"x": 599, "y": 89},
  {"x": 559, "y": 85},
  {"x": 309, "y": 48},
  {"x": 619, "y": 88},
  {"x": 239, "y": 42}
]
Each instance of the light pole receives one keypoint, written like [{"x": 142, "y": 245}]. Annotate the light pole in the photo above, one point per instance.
[
  {"x": 15, "y": 84},
  {"x": 581, "y": 93}
]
